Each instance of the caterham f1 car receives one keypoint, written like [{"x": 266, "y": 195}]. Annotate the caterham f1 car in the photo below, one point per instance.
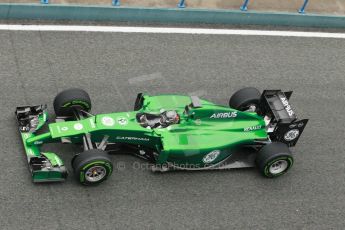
[{"x": 172, "y": 132}]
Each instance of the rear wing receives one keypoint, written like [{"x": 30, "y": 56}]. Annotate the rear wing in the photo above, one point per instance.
[{"x": 284, "y": 125}]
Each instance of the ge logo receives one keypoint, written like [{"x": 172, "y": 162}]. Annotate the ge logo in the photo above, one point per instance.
[
  {"x": 291, "y": 135},
  {"x": 122, "y": 120}
]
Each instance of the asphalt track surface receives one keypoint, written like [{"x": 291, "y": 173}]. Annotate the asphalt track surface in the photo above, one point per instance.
[{"x": 113, "y": 67}]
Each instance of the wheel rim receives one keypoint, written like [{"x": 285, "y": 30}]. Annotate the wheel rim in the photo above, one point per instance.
[
  {"x": 278, "y": 167},
  {"x": 95, "y": 173}
]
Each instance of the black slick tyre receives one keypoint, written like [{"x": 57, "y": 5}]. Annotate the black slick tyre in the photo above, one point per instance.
[
  {"x": 244, "y": 98},
  {"x": 92, "y": 166},
  {"x": 274, "y": 159},
  {"x": 69, "y": 99}
]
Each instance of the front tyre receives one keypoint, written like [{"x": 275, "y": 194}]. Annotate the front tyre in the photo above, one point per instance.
[
  {"x": 274, "y": 159},
  {"x": 70, "y": 99},
  {"x": 92, "y": 167}
]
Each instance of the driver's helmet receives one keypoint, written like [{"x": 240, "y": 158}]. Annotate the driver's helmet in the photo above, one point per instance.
[{"x": 172, "y": 117}]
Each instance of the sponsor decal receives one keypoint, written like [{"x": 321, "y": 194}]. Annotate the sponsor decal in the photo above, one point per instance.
[
  {"x": 210, "y": 157},
  {"x": 122, "y": 120},
  {"x": 252, "y": 128},
  {"x": 38, "y": 142},
  {"x": 108, "y": 121},
  {"x": 78, "y": 126},
  {"x": 77, "y": 102},
  {"x": 65, "y": 128},
  {"x": 287, "y": 106},
  {"x": 291, "y": 135},
  {"x": 133, "y": 138},
  {"x": 224, "y": 115}
]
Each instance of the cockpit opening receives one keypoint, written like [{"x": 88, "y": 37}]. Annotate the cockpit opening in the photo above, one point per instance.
[{"x": 161, "y": 120}]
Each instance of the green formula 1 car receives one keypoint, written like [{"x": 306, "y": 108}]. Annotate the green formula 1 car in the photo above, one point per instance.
[{"x": 170, "y": 131}]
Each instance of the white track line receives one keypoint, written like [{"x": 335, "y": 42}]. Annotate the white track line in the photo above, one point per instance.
[{"x": 159, "y": 30}]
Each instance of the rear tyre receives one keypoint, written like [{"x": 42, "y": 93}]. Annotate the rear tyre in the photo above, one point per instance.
[
  {"x": 92, "y": 166},
  {"x": 70, "y": 99},
  {"x": 274, "y": 159},
  {"x": 244, "y": 98}
]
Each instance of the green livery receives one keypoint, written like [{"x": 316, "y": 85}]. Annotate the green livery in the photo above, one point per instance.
[{"x": 170, "y": 131}]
